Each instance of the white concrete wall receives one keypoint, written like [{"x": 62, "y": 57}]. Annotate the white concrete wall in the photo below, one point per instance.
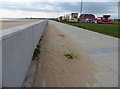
[
  {"x": 18, "y": 46},
  {"x": 0, "y": 56}
]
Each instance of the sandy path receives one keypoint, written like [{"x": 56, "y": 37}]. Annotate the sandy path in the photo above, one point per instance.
[
  {"x": 12, "y": 23},
  {"x": 55, "y": 70}
]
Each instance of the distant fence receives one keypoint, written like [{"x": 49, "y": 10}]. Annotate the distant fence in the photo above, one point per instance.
[{"x": 18, "y": 46}]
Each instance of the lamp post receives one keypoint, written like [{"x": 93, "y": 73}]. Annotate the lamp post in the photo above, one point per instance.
[
  {"x": 80, "y": 12},
  {"x": 58, "y": 12}
]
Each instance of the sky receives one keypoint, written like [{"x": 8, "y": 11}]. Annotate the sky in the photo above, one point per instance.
[{"x": 53, "y": 8}]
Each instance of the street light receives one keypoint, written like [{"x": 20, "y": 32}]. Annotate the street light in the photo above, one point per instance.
[
  {"x": 58, "y": 12},
  {"x": 81, "y": 7},
  {"x": 80, "y": 12}
]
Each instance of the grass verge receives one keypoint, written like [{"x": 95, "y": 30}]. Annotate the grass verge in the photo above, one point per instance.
[{"x": 107, "y": 29}]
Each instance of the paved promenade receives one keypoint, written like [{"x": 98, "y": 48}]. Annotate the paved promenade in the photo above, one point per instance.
[{"x": 102, "y": 49}]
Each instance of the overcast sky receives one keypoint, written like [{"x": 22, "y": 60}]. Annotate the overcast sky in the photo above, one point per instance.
[{"x": 48, "y": 8}]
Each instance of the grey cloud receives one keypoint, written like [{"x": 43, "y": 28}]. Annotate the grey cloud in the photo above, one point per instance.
[
  {"x": 88, "y": 7},
  {"x": 91, "y": 7}
]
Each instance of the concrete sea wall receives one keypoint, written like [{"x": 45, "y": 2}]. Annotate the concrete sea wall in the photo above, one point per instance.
[{"x": 18, "y": 46}]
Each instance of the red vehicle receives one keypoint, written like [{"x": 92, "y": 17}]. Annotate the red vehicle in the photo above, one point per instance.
[{"x": 104, "y": 20}]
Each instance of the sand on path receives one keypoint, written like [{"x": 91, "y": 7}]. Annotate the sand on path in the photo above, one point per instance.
[
  {"x": 15, "y": 22},
  {"x": 55, "y": 70}
]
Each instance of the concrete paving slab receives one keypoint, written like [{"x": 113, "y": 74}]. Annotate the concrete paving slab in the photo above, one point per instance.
[
  {"x": 107, "y": 79},
  {"x": 102, "y": 49}
]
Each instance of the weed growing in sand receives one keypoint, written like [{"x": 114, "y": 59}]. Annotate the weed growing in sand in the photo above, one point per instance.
[
  {"x": 36, "y": 53},
  {"x": 70, "y": 55},
  {"x": 37, "y": 50},
  {"x": 61, "y": 35},
  {"x": 40, "y": 39}
]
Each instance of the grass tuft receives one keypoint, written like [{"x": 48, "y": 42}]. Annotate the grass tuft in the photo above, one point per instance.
[
  {"x": 70, "y": 56},
  {"x": 107, "y": 29},
  {"x": 37, "y": 50}
]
